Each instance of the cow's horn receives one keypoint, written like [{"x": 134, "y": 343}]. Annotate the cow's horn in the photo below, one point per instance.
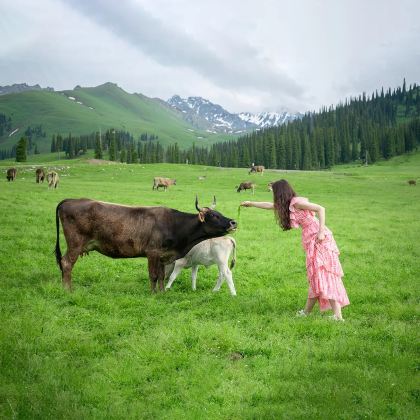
[
  {"x": 196, "y": 204},
  {"x": 213, "y": 206}
]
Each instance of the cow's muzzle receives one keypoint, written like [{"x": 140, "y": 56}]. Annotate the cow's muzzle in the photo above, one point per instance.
[{"x": 233, "y": 225}]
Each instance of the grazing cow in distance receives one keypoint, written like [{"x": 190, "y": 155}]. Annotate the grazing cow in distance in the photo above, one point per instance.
[
  {"x": 11, "y": 174},
  {"x": 160, "y": 234},
  {"x": 39, "y": 175},
  {"x": 163, "y": 182},
  {"x": 202, "y": 178},
  {"x": 412, "y": 182},
  {"x": 256, "y": 169},
  {"x": 52, "y": 179},
  {"x": 209, "y": 252},
  {"x": 245, "y": 186}
]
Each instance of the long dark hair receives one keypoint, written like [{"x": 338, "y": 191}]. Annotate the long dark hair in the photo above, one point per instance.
[{"x": 282, "y": 195}]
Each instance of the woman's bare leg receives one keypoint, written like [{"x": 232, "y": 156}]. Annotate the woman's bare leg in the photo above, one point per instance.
[
  {"x": 336, "y": 309},
  {"x": 310, "y": 305}
]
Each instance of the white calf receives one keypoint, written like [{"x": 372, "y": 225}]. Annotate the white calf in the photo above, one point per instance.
[{"x": 208, "y": 252}]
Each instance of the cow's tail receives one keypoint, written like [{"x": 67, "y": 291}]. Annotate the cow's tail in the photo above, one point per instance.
[
  {"x": 57, "y": 243},
  {"x": 233, "y": 261}
]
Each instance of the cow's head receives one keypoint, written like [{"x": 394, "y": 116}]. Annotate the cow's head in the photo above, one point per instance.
[
  {"x": 214, "y": 223},
  {"x": 174, "y": 181}
]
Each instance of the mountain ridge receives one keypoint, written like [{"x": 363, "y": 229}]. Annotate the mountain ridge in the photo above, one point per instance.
[{"x": 212, "y": 117}]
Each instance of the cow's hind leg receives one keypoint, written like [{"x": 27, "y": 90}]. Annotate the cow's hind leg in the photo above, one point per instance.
[{"x": 67, "y": 263}]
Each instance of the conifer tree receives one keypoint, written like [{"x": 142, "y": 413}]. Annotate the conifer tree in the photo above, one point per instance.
[
  {"x": 112, "y": 146},
  {"x": 21, "y": 150},
  {"x": 98, "y": 146}
]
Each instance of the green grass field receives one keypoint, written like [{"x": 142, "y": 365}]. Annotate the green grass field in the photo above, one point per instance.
[{"x": 111, "y": 349}]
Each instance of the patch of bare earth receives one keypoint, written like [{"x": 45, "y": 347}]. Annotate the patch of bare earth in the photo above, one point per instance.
[{"x": 101, "y": 162}]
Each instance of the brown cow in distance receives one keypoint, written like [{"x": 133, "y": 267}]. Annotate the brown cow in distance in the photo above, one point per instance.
[
  {"x": 412, "y": 182},
  {"x": 11, "y": 174},
  {"x": 256, "y": 169},
  {"x": 39, "y": 175},
  {"x": 52, "y": 178},
  {"x": 160, "y": 234},
  {"x": 163, "y": 182},
  {"x": 245, "y": 186}
]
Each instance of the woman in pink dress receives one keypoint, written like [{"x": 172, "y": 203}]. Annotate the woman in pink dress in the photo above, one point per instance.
[{"x": 322, "y": 262}]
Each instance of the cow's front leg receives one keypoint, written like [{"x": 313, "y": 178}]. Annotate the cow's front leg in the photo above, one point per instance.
[
  {"x": 154, "y": 266},
  {"x": 161, "y": 275}
]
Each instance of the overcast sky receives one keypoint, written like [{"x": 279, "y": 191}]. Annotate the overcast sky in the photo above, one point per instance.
[{"x": 246, "y": 55}]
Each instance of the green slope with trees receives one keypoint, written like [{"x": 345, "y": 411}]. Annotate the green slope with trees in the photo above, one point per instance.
[
  {"x": 92, "y": 109},
  {"x": 365, "y": 129}
]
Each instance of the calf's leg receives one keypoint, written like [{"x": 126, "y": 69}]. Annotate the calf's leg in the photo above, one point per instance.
[
  {"x": 228, "y": 275},
  {"x": 194, "y": 271},
  {"x": 179, "y": 265},
  {"x": 219, "y": 282}
]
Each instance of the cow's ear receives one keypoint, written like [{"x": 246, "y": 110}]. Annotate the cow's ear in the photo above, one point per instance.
[{"x": 201, "y": 217}]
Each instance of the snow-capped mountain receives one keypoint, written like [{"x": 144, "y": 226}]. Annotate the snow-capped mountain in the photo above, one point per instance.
[
  {"x": 206, "y": 115},
  {"x": 268, "y": 119}
]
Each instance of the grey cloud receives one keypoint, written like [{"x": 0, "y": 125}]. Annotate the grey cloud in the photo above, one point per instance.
[{"x": 173, "y": 48}]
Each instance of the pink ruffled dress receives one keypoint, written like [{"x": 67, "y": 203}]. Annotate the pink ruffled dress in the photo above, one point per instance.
[{"x": 322, "y": 262}]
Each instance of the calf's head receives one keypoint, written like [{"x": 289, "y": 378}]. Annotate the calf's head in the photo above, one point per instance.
[{"x": 214, "y": 223}]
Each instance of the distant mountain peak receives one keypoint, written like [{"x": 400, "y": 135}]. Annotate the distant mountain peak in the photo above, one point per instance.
[
  {"x": 204, "y": 114},
  {"x": 21, "y": 87}
]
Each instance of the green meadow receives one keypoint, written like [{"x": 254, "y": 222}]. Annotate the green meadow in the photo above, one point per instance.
[{"x": 112, "y": 349}]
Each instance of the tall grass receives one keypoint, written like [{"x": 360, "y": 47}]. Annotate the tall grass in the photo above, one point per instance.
[{"x": 111, "y": 349}]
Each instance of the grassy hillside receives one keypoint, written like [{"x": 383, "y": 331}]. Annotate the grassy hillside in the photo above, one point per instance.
[
  {"x": 111, "y": 349},
  {"x": 111, "y": 107}
]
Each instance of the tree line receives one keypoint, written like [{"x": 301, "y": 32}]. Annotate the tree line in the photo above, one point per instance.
[
  {"x": 361, "y": 129},
  {"x": 365, "y": 129}
]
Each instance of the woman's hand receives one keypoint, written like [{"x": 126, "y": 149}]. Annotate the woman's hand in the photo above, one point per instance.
[
  {"x": 320, "y": 237},
  {"x": 246, "y": 204}
]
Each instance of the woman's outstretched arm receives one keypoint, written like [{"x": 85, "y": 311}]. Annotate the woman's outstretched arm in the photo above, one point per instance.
[{"x": 259, "y": 204}]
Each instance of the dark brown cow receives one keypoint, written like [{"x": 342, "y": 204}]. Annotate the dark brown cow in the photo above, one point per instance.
[
  {"x": 11, "y": 174},
  {"x": 412, "y": 182},
  {"x": 245, "y": 186},
  {"x": 256, "y": 169},
  {"x": 160, "y": 234},
  {"x": 39, "y": 175},
  {"x": 163, "y": 182}
]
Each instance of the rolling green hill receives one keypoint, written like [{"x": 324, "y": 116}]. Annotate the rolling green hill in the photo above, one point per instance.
[{"x": 94, "y": 109}]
